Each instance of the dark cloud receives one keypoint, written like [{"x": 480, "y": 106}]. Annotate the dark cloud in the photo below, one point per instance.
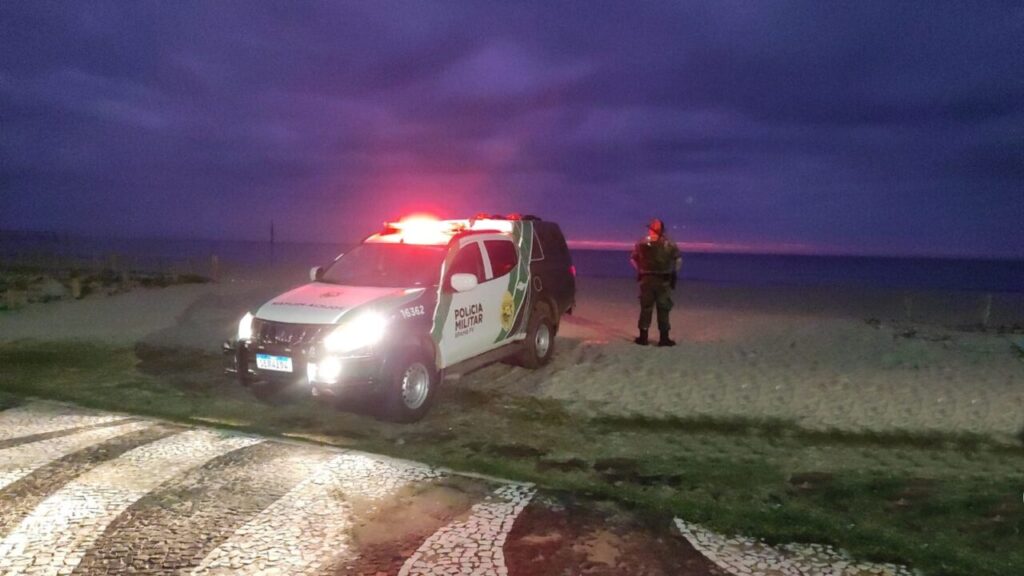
[{"x": 859, "y": 126}]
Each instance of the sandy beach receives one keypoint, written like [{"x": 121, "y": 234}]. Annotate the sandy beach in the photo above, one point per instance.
[{"x": 823, "y": 358}]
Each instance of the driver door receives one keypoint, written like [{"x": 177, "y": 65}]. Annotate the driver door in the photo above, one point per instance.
[{"x": 474, "y": 317}]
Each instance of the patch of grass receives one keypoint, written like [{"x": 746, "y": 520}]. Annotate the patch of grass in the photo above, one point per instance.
[
  {"x": 155, "y": 281},
  {"x": 9, "y": 401},
  {"x": 26, "y": 277},
  {"x": 779, "y": 428},
  {"x": 945, "y": 504},
  {"x": 191, "y": 278},
  {"x": 767, "y": 426},
  {"x": 1018, "y": 346},
  {"x": 100, "y": 377},
  {"x": 164, "y": 280}
]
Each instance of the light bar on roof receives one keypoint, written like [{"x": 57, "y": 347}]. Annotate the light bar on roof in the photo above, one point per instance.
[
  {"x": 492, "y": 224},
  {"x": 419, "y": 229},
  {"x": 426, "y": 229}
]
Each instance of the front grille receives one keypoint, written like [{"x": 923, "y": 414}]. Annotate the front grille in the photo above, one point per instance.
[{"x": 283, "y": 334}]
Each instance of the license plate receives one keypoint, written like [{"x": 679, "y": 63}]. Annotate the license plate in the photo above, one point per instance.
[{"x": 276, "y": 363}]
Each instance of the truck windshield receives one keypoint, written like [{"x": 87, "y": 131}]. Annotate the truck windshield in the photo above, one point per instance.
[{"x": 388, "y": 265}]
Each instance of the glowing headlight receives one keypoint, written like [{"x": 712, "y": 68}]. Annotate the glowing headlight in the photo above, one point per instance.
[
  {"x": 329, "y": 370},
  {"x": 364, "y": 330},
  {"x": 245, "y": 327}
]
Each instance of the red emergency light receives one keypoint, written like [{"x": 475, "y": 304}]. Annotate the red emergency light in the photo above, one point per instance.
[{"x": 420, "y": 229}]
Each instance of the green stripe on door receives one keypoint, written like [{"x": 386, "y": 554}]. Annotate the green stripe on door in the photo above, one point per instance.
[{"x": 518, "y": 281}]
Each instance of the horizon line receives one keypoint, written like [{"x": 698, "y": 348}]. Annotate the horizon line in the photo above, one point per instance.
[{"x": 705, "y": 247}]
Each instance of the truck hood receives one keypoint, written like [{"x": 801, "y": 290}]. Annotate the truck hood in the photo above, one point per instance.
[{"x": 320, "y": 303}]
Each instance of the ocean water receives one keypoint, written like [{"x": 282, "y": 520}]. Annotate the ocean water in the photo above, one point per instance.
[
  {"x": 875, "y": 272},
  {"x": 740, "y": 269}
]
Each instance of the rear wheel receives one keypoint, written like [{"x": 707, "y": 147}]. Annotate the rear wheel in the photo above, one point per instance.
[
  {"x": 540, "y": 339},
  {"x": 413, "y": 384}
]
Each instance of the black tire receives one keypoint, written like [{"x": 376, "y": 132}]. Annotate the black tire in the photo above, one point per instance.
[
  {"x": 540, "y": 339},
  {"x": 412, "y": 387}
]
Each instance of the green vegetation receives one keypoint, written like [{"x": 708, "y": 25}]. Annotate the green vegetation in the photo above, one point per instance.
[
  {"x": 20, "y": 285},
  {"x": 945, "y": 504}
]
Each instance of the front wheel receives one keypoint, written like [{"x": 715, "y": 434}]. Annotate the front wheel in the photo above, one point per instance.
[
  {"x": 540, "y": 339},
  {"x": 413, "y": 384}
]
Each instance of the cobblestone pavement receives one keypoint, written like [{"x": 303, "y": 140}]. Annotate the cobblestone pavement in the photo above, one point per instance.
[
  {"x": 308, "y": 528},
  {"x": 177, "y": 525},
  {"x": 742, "y": 556},
  {"x": 40, "y": 421},
  {"x": 89, "y": 493},
  {"x": 459, "y": 549},
  {"x": 56, "y": 535},
  {"x": 19, "y": 499},
  {"x": 22, "y": 460}
]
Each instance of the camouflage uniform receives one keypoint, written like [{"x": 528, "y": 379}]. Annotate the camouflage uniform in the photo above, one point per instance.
[{"x": 657, "y": 262}]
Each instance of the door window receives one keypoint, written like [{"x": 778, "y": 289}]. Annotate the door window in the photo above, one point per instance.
[
  {"x": 503, "y": 256},
  {"x": 467, "y": 261}
]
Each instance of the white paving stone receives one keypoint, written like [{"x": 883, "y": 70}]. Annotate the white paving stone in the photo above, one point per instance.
[
  {"x": 307, "y": 529},
  {"x": 475, "y": 545},
  {"x": 53, "y": 539},
  {"x": 19, "y": 461},
  {"x": 747, "y": 556},
  {"x": 43, "y": 418}
]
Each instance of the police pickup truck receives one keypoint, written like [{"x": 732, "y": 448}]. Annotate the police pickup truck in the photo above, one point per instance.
[{"x": 420, "y": 300}]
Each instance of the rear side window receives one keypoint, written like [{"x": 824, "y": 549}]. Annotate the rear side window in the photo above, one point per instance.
[
  {"x": 553, "y": 242},
  {"x": 503, "y": 256},
  {"x": 538, "y": 248},
  {"x": 468, "y": 261}
]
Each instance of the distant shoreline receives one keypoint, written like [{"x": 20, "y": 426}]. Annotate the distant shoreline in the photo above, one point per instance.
[
  {"x": 689, "y": 247},
  {"x": 48, "y": 250}
]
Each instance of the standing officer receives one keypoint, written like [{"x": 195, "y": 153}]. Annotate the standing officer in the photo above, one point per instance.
[{"x": 657, "y": 262}]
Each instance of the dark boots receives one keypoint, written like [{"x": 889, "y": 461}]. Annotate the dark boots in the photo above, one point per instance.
[{"x": 664, "y": 340}]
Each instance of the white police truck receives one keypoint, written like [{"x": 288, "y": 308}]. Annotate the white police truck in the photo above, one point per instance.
[{"x": 419, "y": 300}]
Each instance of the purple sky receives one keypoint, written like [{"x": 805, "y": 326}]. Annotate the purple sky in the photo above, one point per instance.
[{"x": 857, "y": 127}]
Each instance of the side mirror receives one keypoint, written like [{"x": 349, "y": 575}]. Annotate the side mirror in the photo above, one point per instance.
[
  {"x": 316, "y": 273},
  {"x": 464, "y": 282}
]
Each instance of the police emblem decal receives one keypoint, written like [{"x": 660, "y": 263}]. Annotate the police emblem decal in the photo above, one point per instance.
[{"x": 508, "y": 311}]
